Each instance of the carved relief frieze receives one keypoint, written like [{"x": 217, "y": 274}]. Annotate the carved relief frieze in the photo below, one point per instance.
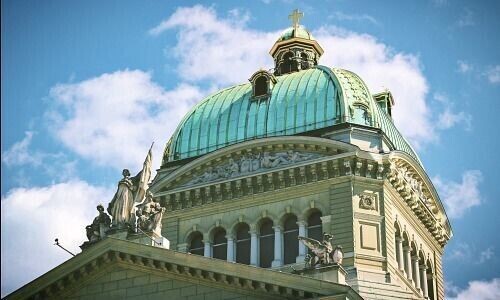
[{"x": 250, "y": 163}]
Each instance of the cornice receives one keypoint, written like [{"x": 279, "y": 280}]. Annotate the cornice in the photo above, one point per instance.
[{"x": 247, "y": 279}]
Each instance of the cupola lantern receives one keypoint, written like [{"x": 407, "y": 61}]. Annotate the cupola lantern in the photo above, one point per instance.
[{"x": 296, "y": 49}]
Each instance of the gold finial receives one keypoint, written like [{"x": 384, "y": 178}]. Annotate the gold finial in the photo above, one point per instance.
[{"x": 295, "y": 16}]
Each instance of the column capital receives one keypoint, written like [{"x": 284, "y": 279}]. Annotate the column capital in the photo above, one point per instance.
[
  {"x": 406, "y": 248},
  {"x": 423, "y": 267},
  {"x": 414, "y": 258},
  {"x": 229, "y": 237},
  {"x": 302, "y": 223},
  {"x": 278, "y": 228},
  {"x": 399, "y": 239},
  {"x": 253, "y": 231}
]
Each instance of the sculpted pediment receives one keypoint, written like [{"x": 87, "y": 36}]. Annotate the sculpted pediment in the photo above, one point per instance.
[
  {"x": 419, "y": 193},
  {"x": 249, "y": 158},
  {"x": 249, "y": 163}
]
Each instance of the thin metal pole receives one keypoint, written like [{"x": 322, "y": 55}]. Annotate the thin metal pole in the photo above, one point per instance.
[{"x": 58, "y": 245}]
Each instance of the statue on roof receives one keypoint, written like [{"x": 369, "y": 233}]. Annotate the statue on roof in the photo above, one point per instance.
[
  {"x": 97, "y": 230},
  {"x": 149, "y": 214},
  {"x": 131, "y": 190},
  {"x": 323, "y": 253}
]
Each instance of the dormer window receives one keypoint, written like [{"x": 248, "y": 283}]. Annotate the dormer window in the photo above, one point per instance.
[
  {"x": 385, "y": 101},
  {"x": 262, "y": 82},
  {"x": 261, "y": 87}
]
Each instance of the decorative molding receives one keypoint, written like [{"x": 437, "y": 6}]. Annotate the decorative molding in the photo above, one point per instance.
[
  {"x": 419, "y": 199},
  {"x": 368, "y": 201},
  {"x": 251, "y": 163}
]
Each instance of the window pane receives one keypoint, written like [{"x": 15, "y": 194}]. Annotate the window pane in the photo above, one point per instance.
[
  {"x": 243, "y": 244},
  {"x": 196, "y": 246},
  {"x": 291, "y": 241},
  {"x": 266, "y": 244},
  {"x": 219, "y": 247},
  {"x": 314, "y": 228}
]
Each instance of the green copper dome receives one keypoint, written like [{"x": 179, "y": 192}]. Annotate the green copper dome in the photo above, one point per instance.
[
  {"x": 298, "y": 102},
  {"x": 299, "y": 32}
]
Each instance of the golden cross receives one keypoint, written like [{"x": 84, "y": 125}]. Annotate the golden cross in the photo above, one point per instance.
[{"x": 295, "y": 16}]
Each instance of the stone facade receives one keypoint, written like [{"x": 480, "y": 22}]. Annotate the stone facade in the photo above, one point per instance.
[{"x": 247, "y": 172}]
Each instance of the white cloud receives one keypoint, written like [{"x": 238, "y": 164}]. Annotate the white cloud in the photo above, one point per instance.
[
  {"x": 466, "y": 18},
  {"x": 380, "y": 66},
  {"x": 459, "y": 197},
  {"x": 448, "y": 119},
  {"x": 353, "y": 17},
  {"x": 113, "y": 118},
  {"x": 477, "y": 290},
  {"x": 33, "y": 217},
  {"x": 18, "y": 153},
  {"x": 486, "y": 255},
  {"x": 464, "y": 67},
  {"x": 54, "y": 165},
  {"x": 467, "y": 253},
  {"x": 493, "y": 74},
  {"x": 224, "y": 51}
]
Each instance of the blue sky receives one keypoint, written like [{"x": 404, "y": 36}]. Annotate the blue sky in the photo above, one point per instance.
[{"x": 86, "y": 87}]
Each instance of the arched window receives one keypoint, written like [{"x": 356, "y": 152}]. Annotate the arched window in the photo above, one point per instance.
[
  {"x": 290, "y": 238},
  {"x": 289, "y": 64},
  {"x": 196, "y": 245},
  {"x": 266, "y": 241},
  {"x": 398, "y": 247},
  {"x": 243, "y": 244},
  {"x": 220, "y": 244},
  {"x": 261, "y": 86},
  {"x": 314, "y": 226},
  {"x": 406, "y": 255},
  {"x": 430, "y": 282},
  {"x": 304, "y": 62},
  {"x": 361, "y": 115}
]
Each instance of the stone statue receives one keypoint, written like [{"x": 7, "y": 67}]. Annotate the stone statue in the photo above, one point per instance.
[
  {"x": 97, "y": 230},
  {"x": 149, "y": 214},
  {"x": 122, "y": 205},
  {"x": 255, "y": 162},
  {"x": 322, "y": 252},
  {"x": 234, "y": 168},
  {"x": 246, "y": 164},
  {"x": 338, "y": 255},
  {"x": 270, "y": 161},
  {"x": 130, "y": 190}
]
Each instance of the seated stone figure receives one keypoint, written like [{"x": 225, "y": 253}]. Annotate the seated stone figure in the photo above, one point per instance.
[{"x": 97, "y": 230}]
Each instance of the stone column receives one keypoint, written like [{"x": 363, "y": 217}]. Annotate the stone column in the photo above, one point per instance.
[
  {"x": 407, "y": 254},
  {"x": 399, "y": 255},
  {"x": 207, "y": 251},
  {"x": 302, "y": 247},
  {"x": 278, "y": 243},
  {"x": 416, "y": 273},
  {"x": 230, "y": 248},
  {"x": 326, "y": 222},
  {"x": 254, "y": 248},
  {"x": 423, "y": 278}
]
